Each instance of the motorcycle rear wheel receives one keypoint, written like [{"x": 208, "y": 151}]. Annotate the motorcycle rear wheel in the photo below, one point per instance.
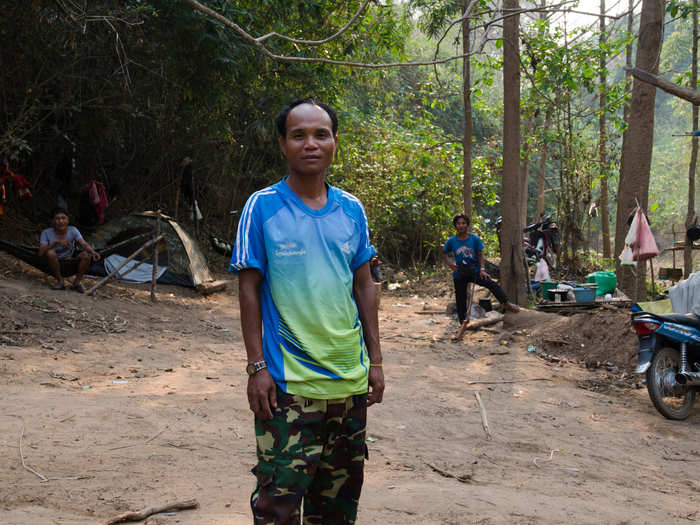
[{"x": 673, "y": 400}]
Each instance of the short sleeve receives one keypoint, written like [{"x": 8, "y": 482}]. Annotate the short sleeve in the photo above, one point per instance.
[
  {"x": 478, "y": 245},
  {"x": 365, "y": 250},
  {"x": 74, "y": 234},
  {"x": 447, "y": 247},
  {"x": 44, "y": 239},
  {"x": 249, "y": 249}
]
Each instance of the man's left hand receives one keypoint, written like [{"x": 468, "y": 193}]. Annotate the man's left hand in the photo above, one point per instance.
[
  {"x": 484, "y": 275},
  {"x": 376, "y": 385},
  {"x": 95, "y": 256}
]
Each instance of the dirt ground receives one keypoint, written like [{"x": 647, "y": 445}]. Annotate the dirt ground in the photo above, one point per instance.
[{"x": 116, "y": 404}]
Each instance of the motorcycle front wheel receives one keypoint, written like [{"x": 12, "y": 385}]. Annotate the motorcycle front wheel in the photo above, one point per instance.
[{"x": 673, "y": 400}]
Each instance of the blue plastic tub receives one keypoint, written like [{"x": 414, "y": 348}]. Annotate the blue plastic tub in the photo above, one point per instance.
[{"x": 584, "y": 294}]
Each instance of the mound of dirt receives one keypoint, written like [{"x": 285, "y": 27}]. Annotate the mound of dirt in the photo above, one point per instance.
[{"x": 595, "y": 338}]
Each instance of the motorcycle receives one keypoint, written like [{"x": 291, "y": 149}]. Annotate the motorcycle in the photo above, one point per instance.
[
  {"x": 669, "y": 355},
  {"x": 542, "y": 241}
]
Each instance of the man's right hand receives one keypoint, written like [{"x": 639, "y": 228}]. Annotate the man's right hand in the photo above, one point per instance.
[{"x": 262, "y": 394}]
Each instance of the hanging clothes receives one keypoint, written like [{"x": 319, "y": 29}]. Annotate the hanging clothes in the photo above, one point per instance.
[
  {"x": 95, "y": 196},
  {"x": 23, "y": 188}
]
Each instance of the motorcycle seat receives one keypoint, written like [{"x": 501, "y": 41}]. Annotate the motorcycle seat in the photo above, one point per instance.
[{"x": 686, "y": 319}]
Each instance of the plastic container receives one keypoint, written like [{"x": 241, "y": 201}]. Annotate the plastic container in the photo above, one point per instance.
[
  {"x": 606, "y": 281},
  {"x": 585, "y": 294},
  {"x": 548, "y": 285}
]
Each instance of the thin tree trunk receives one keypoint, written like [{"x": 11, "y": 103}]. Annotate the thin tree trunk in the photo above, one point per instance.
[
  {"x": 468, "y": 128},
  {"x": 690, "y": 216},
  {"x": 602, "y": 145},
  {"x": 525, "y": 175},
  {"x": 512, "y": 266},
  {"x": 541, "y": 175},
  {"x": 638, "y": 142}
]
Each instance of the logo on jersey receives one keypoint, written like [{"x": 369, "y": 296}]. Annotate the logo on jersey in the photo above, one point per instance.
[{"x": 289, "y": 249}]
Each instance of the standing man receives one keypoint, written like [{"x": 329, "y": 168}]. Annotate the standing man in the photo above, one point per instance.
[
  {"x": 309, "y": 323},
  {"x": 58, "y": 242},
  {"x": 468, "y": 267}
]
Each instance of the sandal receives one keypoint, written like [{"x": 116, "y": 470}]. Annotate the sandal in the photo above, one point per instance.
[
  {"x": 58, "y": 286},
  {"x": 77, "y": 288}
]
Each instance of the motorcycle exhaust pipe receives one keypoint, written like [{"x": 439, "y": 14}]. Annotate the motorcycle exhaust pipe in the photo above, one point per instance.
[{"x": 688, "y": 378}]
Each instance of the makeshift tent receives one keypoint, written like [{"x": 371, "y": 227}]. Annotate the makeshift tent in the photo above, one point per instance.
[
  {"x": 69, "y": 265},
  {"x": 185, "y": 265}
]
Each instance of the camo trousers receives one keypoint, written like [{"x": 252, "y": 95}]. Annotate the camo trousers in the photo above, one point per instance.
[{"x": 312, "y": 449}]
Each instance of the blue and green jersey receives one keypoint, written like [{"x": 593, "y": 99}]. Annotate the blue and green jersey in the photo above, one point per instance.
[{"x": 312, "y": 336}]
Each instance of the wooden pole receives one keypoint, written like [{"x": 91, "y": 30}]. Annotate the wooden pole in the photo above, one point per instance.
[
  {"x": 653, "y": 286},
  {"x": 116, "y": 270},
  {"x": 154, "y": 274},
  {"x": 673, "y": 231}
]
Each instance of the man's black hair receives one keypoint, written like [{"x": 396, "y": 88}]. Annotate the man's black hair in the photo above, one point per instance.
[
  {"x": 57, "y": 210},
  {"x": 460, "y": 216},
  {"x": 281, "y": 119}
]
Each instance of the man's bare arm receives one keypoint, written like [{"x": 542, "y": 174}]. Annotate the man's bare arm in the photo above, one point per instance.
[
  {"x": 262, "y": 393},
  {"x": 448, "y": 262},
  {"x": 366, "y": 298}
]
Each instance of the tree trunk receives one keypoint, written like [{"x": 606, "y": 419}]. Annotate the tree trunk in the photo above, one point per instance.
[
  {"x": 525, "y": 176},
  {"x": 466, "y": 94},
  {"x": 543, "y": 167},
  {"x": 512, "y": 264},
  {"x": 637, "y": 143},
  {"x": 690, "y": 216},
  {"x": 603, "y": 152}
]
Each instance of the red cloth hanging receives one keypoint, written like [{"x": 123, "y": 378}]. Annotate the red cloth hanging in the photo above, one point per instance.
[
  {"x": 23, "y": 187},
  {"x": 645, "y": 245}
]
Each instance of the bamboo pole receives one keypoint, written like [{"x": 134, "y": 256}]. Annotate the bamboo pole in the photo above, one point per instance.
[
  {"x": 154, "y": 274},
  {"x": 116, "y": 270}
]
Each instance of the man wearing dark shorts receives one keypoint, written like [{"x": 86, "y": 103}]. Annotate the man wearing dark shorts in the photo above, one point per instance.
[
  {"x": 58, "y": 242},
  {"x": 468, "y": 267},
  {"x": 309, "y": 323}
]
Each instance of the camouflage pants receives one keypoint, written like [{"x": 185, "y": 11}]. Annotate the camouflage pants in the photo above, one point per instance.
[{"x": 312, "y": 449}]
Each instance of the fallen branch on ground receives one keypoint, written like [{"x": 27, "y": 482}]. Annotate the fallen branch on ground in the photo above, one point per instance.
[
  {"x": 464, "y": 478},
  {"x": 506, "y": 382},
  {"x": 144, "y": 442},
  {"x": 482, "y": 411},
  {"x": 145, "y": 513}
]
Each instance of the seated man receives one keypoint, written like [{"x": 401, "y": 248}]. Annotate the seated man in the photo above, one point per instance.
[
  {"x": 58, "y": 242},
  {"x": 468, "y": 267}
]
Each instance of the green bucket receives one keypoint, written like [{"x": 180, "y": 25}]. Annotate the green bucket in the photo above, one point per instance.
[
  {"x": 546, "y": 286},
  {"x": 606, "y": 281}
]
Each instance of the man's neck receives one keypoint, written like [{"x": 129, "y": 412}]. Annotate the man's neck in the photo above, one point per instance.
[
  {"x": 311, "y": 189},
  {"x": 463, "y": 236}
]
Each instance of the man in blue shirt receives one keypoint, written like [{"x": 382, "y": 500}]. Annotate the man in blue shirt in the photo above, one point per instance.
[
  {"x": 309, "y": 323},
  {"x": 468, "y": 267}
]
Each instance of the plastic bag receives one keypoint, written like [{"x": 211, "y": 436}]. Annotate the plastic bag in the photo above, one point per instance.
[{"x": 645, "y": 244}]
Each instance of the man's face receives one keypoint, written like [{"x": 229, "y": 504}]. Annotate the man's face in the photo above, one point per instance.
[
  {"x": 309, "y": 145},
  {"x": 461, "y": 225},
  {"x": 60, "y": 221}
]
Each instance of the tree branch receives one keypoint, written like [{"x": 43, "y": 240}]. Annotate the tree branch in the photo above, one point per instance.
[
  {"x": 347, "y": 26},
  {"x": 691, "y": 95}
]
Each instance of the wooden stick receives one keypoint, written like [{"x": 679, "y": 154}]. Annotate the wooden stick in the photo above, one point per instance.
[
  {"x": 482, "y": 411},
  {"x": 653, "y": 286},
  {"x": 24, "y": 465},
  {"x": 145, "y": 513},
  {"x": 144, "y": 442},
  {"x": 154, "y": 274},
  {"x": 116, "y": 270},
  {"x": 507, "y": 382}
]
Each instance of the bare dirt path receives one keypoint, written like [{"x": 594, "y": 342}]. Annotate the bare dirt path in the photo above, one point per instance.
[{"x": 145, "y": 404}]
